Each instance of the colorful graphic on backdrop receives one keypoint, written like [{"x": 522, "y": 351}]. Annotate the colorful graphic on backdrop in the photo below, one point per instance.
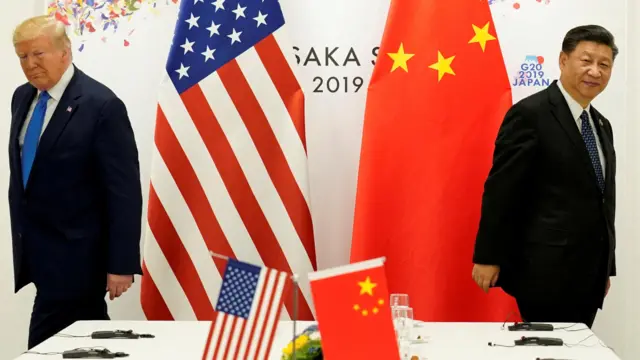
[{"x": 105, "y": 18}]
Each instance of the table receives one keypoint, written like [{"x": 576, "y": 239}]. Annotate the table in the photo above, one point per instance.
[{"x": 185, "y": 340}]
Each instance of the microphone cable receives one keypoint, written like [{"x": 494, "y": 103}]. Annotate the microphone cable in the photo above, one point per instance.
[
  {"x": 71, "y": 336},
  {"x": 568, "y": 328},
  {"x": 507, "y": 319},
  {"x": 492, "y": 344},
  {"x": 580, "y": 344}
]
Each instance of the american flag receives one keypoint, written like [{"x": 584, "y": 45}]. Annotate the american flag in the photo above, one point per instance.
[
  {"x": 247, "y": 312},
  {"x": 229, "y": 169}
]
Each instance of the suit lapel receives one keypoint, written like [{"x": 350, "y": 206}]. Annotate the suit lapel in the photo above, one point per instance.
[
  {"x": 17, "y": 122},
  {"x": 66, "y": 107},
  {"x": 605, "y": 142},
  {"x": 561, "y": 112}
]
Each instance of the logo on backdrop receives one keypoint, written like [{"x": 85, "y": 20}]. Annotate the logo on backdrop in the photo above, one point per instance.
[
  {"x": 335, "y": 57},
  {"x": 531, "y": 73}
]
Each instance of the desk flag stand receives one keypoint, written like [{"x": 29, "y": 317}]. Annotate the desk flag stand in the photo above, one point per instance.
[{"x": 294, "y": 317}]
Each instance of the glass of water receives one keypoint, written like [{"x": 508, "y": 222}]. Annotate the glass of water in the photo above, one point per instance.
[
  {"x": 403, "y": 322},
  {"x": 399, "y": 300}
]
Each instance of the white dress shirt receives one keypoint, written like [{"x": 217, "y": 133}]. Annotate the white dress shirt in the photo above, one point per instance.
[
  {"x": 576, "y": 111},
  {"x": 55, "y": 95}
]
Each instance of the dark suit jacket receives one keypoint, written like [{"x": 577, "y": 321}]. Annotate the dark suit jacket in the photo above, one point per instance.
[
  {"x": 544, "y": 219},
  {"x": 79, "y": 217}
]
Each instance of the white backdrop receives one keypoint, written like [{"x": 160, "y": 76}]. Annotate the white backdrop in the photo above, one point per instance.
[{"x": 530, "y": 34}]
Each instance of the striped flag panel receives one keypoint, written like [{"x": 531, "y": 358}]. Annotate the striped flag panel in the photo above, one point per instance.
[{"x": 229, "y": 169}]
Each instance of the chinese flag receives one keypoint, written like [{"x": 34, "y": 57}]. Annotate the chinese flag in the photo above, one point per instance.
[
  {"x": 437, "y": 97},
  {"x": 353, "y": 314}
]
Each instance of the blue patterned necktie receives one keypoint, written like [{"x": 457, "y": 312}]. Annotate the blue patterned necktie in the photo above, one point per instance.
[
  {"x": 32, "y": 136},
  {"x": 592, "y": 147}
]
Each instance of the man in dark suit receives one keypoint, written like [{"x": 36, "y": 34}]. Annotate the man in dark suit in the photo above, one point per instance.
[
  {"x": 546, "y": 233},
  {"x": 74, "y": 191}
]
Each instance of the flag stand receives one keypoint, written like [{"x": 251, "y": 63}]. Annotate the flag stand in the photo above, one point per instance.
[{"x": 295, "y": 311}]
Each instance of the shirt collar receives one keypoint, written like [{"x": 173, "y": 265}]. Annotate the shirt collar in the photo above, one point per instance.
[
  {"x": 58, "y": 89},
  {"x": 574, "y": 106}
]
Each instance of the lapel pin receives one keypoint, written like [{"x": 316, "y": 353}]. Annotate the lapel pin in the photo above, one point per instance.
[
  {"x": 600, "y": 121},
  {"x": 69, "y": 110}
]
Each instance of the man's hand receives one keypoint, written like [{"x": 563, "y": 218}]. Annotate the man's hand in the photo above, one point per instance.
[
  {"x": 485, "y": 275},
  {"x": 118, "y": 284},
  {"x": 606, "y": 290}
]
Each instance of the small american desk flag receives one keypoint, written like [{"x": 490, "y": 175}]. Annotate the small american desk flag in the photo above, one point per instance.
[
  {"x": 229, "y": 169},
  {"x": 247, "y": 312}
]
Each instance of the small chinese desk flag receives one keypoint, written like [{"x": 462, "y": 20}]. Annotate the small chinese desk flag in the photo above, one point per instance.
[{"x": 353, "y": 313}]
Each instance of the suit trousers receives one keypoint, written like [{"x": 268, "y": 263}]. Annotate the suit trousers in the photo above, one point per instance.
[
  {"x": 534, "y": 311},
  {"x": 50, "y": 316}
]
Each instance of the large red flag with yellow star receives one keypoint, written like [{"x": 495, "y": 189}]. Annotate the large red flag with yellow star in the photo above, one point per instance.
[{"x": 437, "y": 97}]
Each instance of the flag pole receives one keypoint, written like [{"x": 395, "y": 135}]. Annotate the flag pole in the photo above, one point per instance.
[
  {"x": 295, "y": 312},
  {"x": 225, "y": 258},
  {"x": 216, "y": 255}
]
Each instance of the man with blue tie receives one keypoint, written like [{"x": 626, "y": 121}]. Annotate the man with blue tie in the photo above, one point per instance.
[
  {"x": 74, "y": 192},
  {"x": 546, "y": 233}
]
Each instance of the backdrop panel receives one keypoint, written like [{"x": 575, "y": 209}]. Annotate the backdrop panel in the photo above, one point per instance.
[{"x": 334, "y": 49}]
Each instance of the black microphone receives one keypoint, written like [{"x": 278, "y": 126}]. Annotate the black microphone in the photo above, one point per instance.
[
  {"x": 542, "y": 341},
  {"x": 527, "y": 326},
  {"x": 119, "y": 334},
  {"x": 92, "y": 354}
]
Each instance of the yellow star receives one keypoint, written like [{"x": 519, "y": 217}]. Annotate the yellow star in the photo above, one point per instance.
[
  {"x": 482, "y": 35},
  {"x": 400, "y": 59},
  {"x": 443, "y": 66},
  {"x": 375, "y": 310},
  {"x": 366, "y": 287},
  {"x": 365, "y": 313},
  {"x": 356, "y": 307}
]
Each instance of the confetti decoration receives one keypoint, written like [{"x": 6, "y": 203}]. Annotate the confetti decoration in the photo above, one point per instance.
[{"x": 84, "y": 17}]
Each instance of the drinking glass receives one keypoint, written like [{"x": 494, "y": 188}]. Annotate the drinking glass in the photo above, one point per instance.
[
  {"x": 399, "y": 300},
  {"x": 403, "y": 322}
]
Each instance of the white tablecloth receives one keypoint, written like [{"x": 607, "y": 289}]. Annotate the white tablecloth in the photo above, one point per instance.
[{"x": 185, "y": 340}]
